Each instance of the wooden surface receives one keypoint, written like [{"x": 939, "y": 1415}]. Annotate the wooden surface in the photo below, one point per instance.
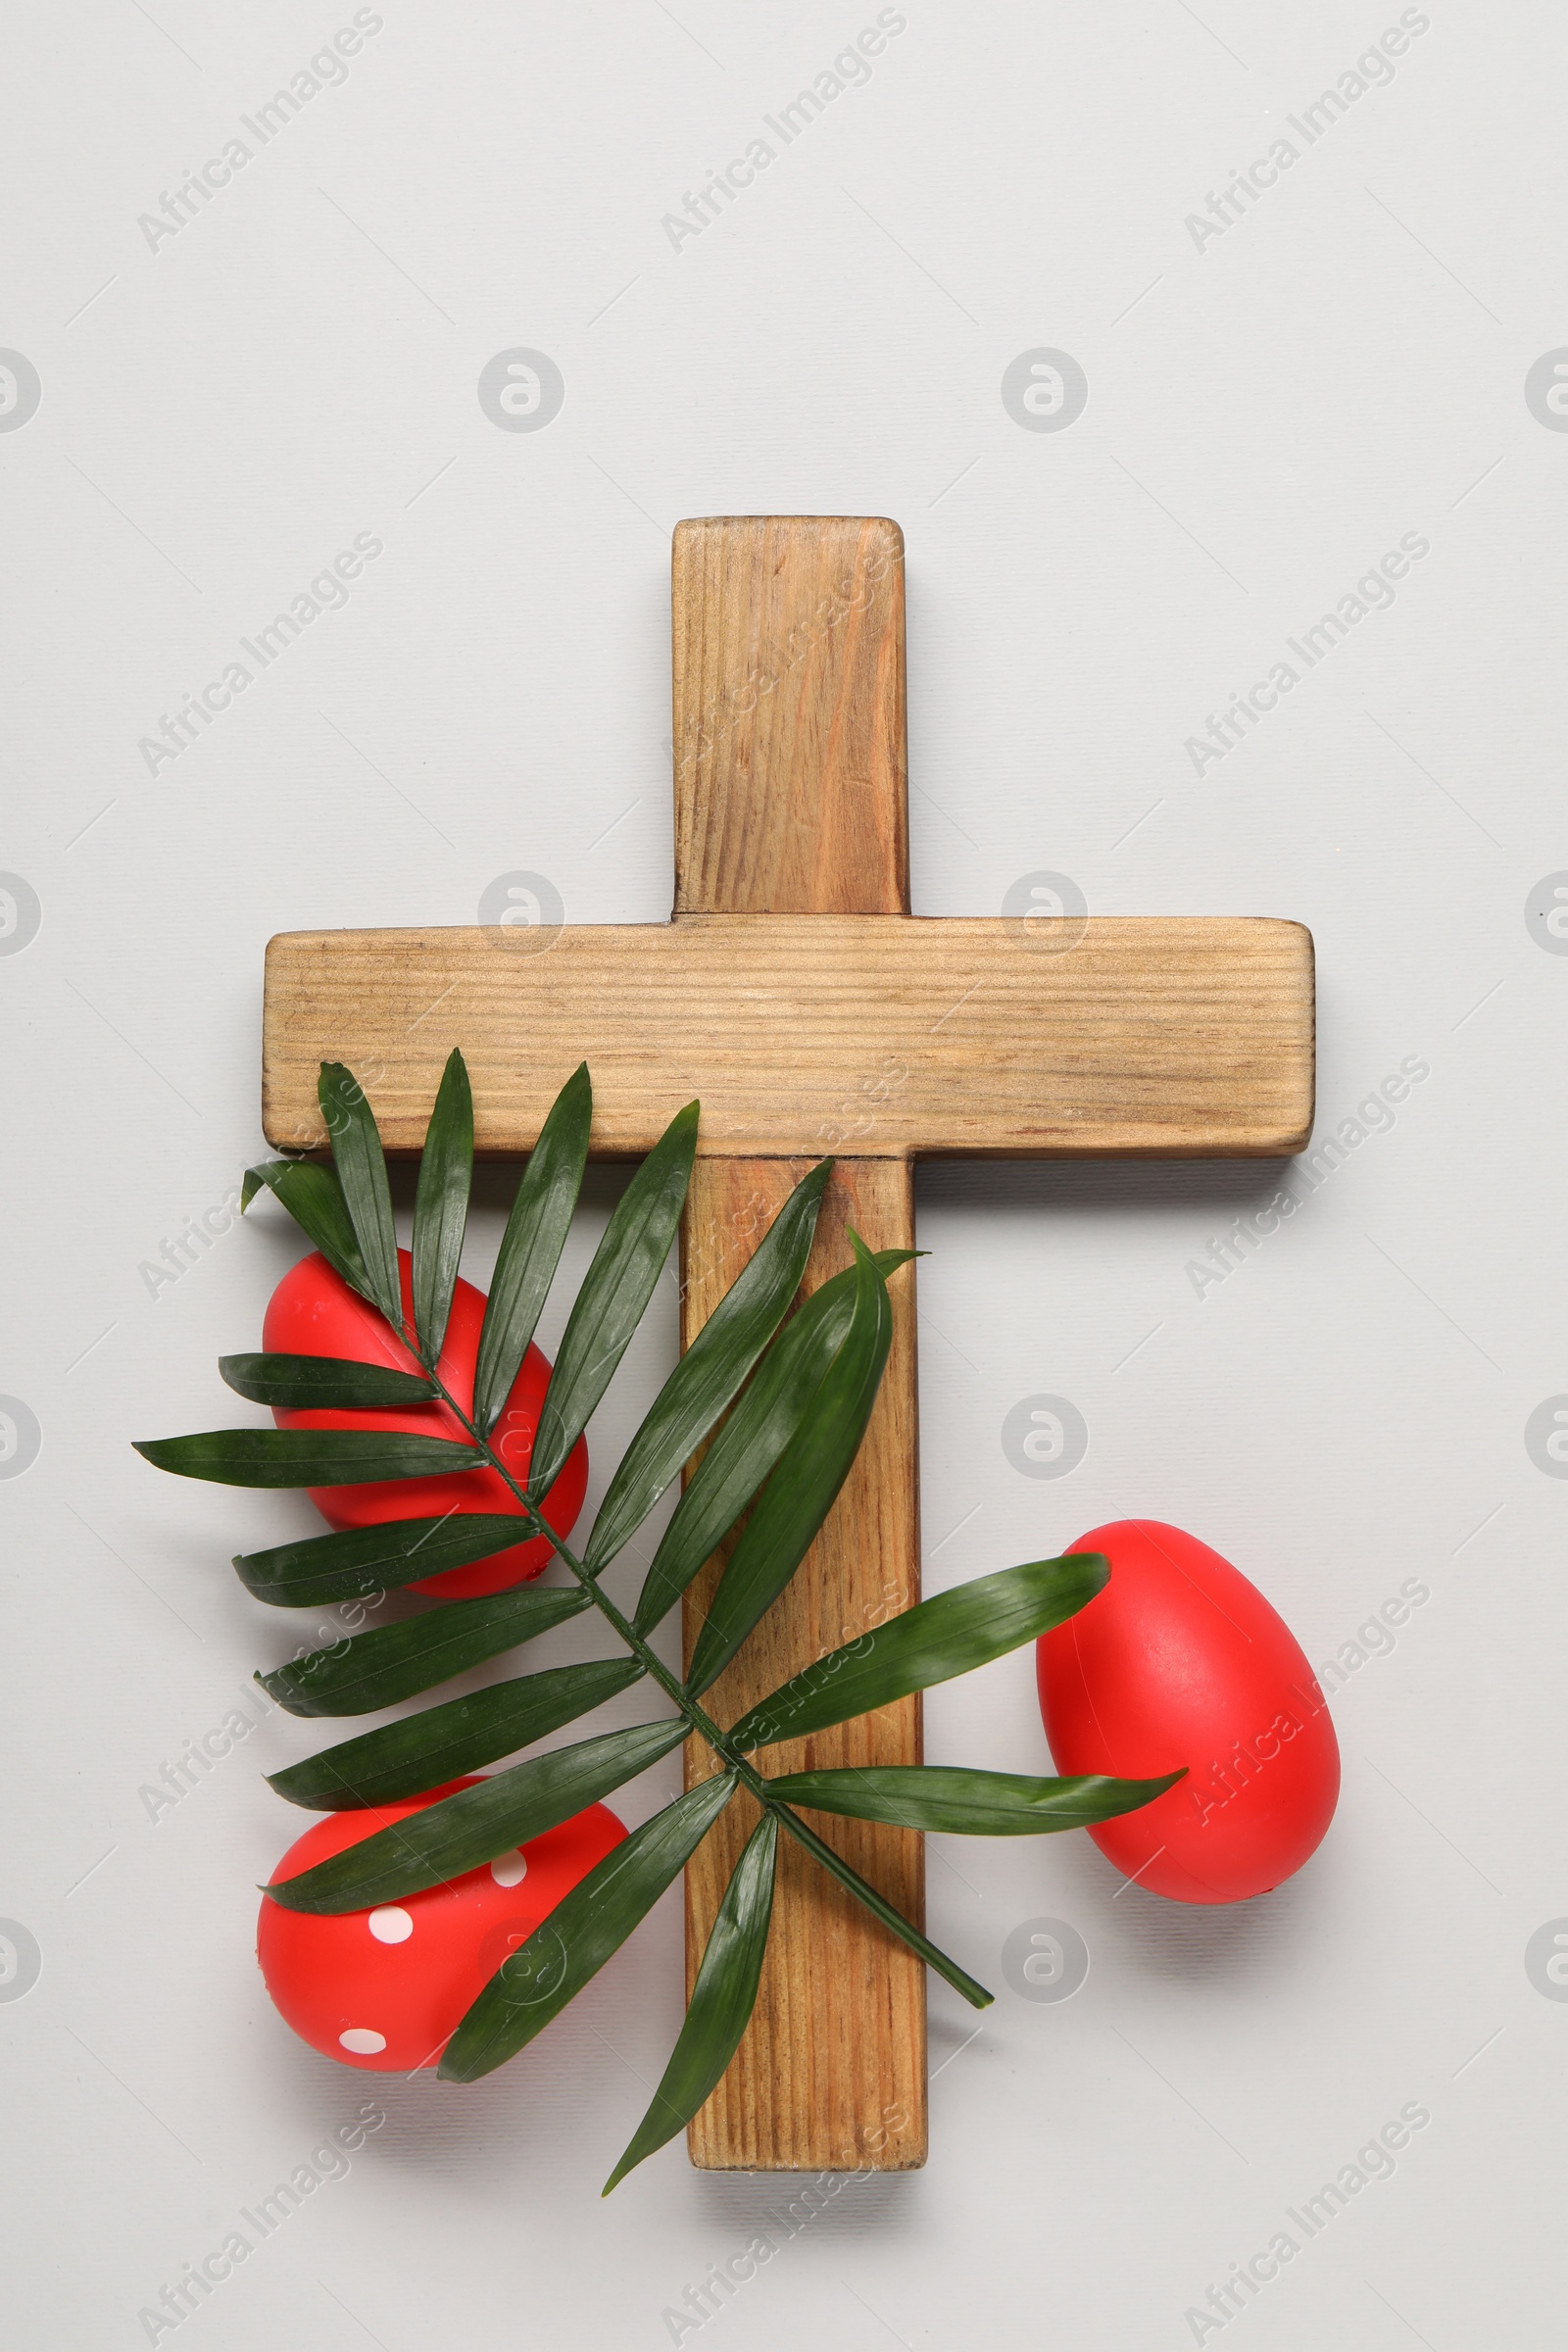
[
  {"x": 893, "y": 1036},
  {"x": 789, "y": 727},
  {"x": 835, "y": 2053},
  {"x": 790, "y": 808}
]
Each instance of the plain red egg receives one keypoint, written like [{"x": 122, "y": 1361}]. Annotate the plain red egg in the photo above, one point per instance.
[
  {"x": 314, "y": 1312},
  {"x": 387, "y": 1990},
  {"x": 1180, "y": 1660}
]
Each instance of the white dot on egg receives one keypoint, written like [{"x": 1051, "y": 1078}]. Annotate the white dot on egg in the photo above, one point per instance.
[
  {"x": 509, "y": 1870},
  {"x": 391, "y": 1925},
  {"x": 364, "y": 2041}
]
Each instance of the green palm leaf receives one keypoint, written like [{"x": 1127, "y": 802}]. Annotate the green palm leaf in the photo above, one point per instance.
[
  {"x": 783, "y": 1405},
  {"x": 441, "y": 1743},
  {"x": 361, "y": 1166},
  {"x": 392, "y": 1662},
  {"x": 616, "y": 1290},
  {"x": 969, "y": 1804},
  {"x": 710, "y": 1371},
  {"x": 746, "y": 1449},
  {"x": 441, "y": 1205},
  {"x": 937, "y": 1639},
  {"x": 722, "y": 2003},
  {"x": 313, "y": 1199},
  {"x": 531, "y": 1245},
  {"x": 805, "y": 1482},
  {"x": 307, "y": 1457},
  {"x": 463, "y": 1833},
  {"x": 375, "y": 1559},
  {"x": 588, "y": 1925},
  {"x": 333, "y": 1382}
]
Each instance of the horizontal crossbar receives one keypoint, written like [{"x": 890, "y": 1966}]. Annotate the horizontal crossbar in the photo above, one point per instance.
[{"x": 884, "y": 1036}]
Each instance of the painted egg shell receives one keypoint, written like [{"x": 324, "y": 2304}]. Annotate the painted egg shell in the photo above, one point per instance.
[
  {"x": 386, "y": 1989},
  {"x": 314, "y": 1312},
  {"x": 1179, "y": 1661}
]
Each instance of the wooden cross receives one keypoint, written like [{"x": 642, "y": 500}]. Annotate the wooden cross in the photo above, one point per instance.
[{"x": 794, "y": 992}]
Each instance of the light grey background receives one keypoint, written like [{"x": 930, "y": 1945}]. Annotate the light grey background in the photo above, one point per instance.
[{"x": 1269, "y": 411}]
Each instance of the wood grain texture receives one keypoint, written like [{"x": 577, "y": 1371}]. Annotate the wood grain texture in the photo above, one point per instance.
[
  {"x": 789, "y": 805},
  {"x": 893, "y": 1036},
  {"x": 831, "y": 2072},
  {"x": 789, "y": 722}
]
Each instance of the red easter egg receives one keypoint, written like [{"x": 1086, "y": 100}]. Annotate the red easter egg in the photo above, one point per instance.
[
  {"x": 314, "y": 1312},
  {"x": 1179, "y": 1661},
  {"x": 386, "y": 1989}
]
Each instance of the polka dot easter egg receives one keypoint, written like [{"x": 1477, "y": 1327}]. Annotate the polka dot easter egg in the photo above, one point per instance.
[{"x": 386, "y": 1989}]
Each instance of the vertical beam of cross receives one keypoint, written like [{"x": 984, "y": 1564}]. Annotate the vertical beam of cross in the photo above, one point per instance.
[{"x": 791, "y": 798}]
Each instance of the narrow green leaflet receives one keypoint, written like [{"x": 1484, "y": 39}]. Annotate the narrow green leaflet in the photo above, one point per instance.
[
  {"x": 442, "y": 1743},
  {"x": 752, "y": 1437},
  {"x": 616, "y": 1290},
  {"x": 937, "y": 1639},
  {"x": 375, "y": 1559},
  {"x": 531, "y": 1245},
  {"x": 361, "y": 1166},
  {"x": 588, "y": 1925},
  {"x": 307, "y": 1457},
  {"x": 723, "y": 2000},
  {"x": 711, "y": 1370},
  {"x": 462, "y": 1832},
  {"x": 971, "y": 1804},
  {"x": 880, "y": 1908},
  {"x": 800, "y": 1492},
  {"x": 441, "y": 1205},
  {"x": 332, "y": 1381},
  {"x": 313, "y": 1199},
  {"x": 393, "y": 1662}
]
